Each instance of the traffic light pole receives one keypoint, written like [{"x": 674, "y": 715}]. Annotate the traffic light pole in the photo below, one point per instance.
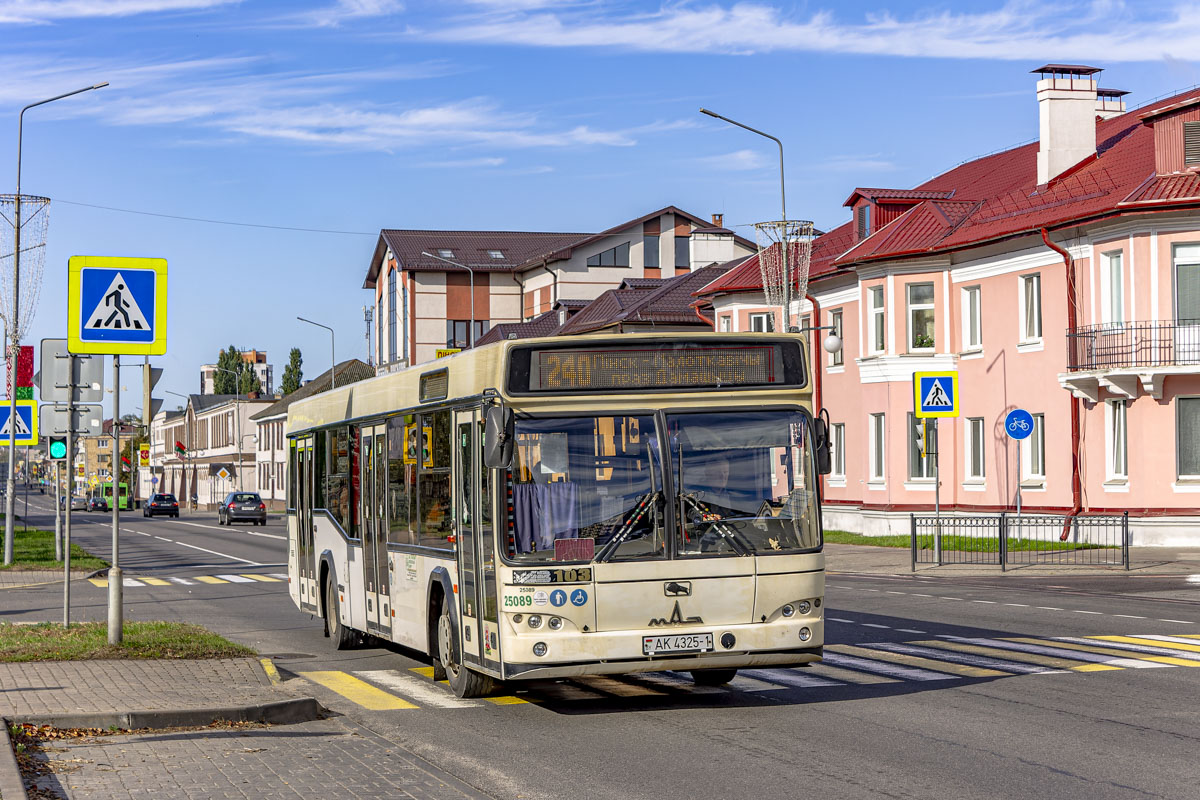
[
  {"x": 70, "y": 462},
  {"x": 115, "y": 581}
]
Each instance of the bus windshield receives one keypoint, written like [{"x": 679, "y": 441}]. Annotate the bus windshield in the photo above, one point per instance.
[{"x": 591, "y": 487}]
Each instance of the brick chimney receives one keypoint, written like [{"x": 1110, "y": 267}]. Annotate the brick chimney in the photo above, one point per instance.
[
  {"x": 718, "y": 220},
  {"x": 1066, "y": 96}
]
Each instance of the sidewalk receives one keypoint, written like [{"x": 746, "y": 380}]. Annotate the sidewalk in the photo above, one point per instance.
[
  {"x": 1143, "y": 561},
  {"x": 16, "y": 578}
]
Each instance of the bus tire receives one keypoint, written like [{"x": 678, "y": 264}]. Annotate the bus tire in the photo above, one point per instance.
[
  {"x": 463, "y": 680},
  {"x": 713, "y": 677},
  {"x": 343, "y": 637}
]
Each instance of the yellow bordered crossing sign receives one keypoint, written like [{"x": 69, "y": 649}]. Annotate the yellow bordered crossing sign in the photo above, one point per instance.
[
  {"x": 935, "y": 394},
  {"x": 26, "y": 423},
  {"x": 117, "y": 306}
]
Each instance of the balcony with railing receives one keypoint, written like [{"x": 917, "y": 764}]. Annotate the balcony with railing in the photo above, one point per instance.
[{"x": 1117, "y": 356}]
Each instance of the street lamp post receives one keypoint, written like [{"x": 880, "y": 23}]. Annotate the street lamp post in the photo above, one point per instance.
[
  {"x": 471, "y": 333},
  {"x": 237, "y": 416},
  {"x": 332, "y": 352},
  {"x": 14, "y": 330}
]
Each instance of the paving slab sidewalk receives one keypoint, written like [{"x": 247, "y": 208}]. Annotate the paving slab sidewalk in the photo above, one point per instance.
[
  {"x": 869, "y": 560},
  {"x": 18, "y": 578}
]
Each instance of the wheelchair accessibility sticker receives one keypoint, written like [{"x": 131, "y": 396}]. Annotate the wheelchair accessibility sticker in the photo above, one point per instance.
[{"x": 578, "y": 597}]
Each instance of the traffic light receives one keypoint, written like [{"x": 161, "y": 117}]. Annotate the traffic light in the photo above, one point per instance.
[
  {"x": 918, "y": 433},
  {"x": 58, "y": 448}
]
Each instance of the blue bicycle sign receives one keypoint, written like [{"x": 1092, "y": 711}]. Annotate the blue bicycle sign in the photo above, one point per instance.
[{"x": 1018, "y": 424}]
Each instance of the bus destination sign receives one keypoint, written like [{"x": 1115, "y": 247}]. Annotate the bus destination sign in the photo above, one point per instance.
[{"x": 652, "y": 366}]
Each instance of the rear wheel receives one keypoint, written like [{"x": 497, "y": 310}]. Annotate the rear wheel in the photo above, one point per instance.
[
  {"x": 713, "y": 677},
  {"x": 464, "y": 681},
  {"x": 342, "y": 636}
]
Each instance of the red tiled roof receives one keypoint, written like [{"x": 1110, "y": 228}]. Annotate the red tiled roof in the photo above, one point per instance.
[
  {"x": 897, "y": 194},
  {"x": 997, "y": 197}
]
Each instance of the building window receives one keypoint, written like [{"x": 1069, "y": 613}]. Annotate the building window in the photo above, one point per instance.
[
  {"x": 392, "y": 354},
  {"x": 862, "y": 221},
  {"x": 1116, "y": 444},
  {"x": 726, "y": 325},
  {"x": 446, "y": 253},
  {"x": 920, "y": 316},
  {"x": 920, "y": 465},
  {"x": 613, "y": 257},
  {"x": 839, "y": 450},
  {"x": 683, "y": 252},
  {"x": 379, "y": 329},
  {"x": 1191, "y": 143},
  {"x": 972, "y": 323},
  {"x": 1112, "y": 300},
  {"x": 975, "y": 449},
  {"x": 496, "y": 254},
  {"x": 876, "y": 448},
  {"x": 457, "y": 334},
  {"x": 1187, "y": 436},
  {"x": 762, "y": 322},
  {"x": 835, "y": 321},
  {"x": 877, "y": 320},
  {"x": 650, "y": 252},
  {"x": 1031, "y": 308}
]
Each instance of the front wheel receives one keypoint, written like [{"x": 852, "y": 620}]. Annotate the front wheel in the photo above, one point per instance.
[
  {"x": 342, "y": 636},
  {"x": 713, "y": 677},
  {"x": 464, "y": 681}
]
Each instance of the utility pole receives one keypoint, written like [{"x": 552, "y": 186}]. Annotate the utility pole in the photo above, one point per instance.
[
  {"x": 115, "y": 577},
  {"x": 368, "y": 315}
]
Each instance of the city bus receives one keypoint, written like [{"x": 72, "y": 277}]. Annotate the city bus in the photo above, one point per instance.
[
  {"x": 568, "y": 506},
  {"x": 106, "y": 491}
]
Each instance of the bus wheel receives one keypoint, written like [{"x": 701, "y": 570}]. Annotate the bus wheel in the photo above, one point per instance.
[
  {"x": 713, "y": 677},
  {"x": 343, "y": 637},
  {"x": 464, "y": 681}
]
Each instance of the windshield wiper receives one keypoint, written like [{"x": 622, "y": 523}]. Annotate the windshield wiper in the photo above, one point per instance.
[
  {"x": 635, "y": 516},
  {"x": 716, "y": 523}
]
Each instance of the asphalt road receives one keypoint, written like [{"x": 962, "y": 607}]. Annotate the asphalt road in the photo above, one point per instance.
[{"x": 1081, "y": 730}]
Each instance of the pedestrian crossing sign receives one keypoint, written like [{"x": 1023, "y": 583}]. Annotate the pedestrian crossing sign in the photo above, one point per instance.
[
  {"x": 935, "y": 394},
  {"x": 117, "y": 306},
  {"x": 26, "y": 423}
]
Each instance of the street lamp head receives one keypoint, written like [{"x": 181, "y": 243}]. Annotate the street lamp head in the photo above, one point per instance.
[
  {"x": 832, "y": 343},
  {"x": 100, "y": 85}
]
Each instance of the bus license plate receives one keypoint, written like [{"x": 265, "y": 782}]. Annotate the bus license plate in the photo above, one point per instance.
[{"x": 677, "y": 643}]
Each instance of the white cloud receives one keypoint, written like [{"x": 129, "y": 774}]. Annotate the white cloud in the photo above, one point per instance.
[
  {"x": 464, "y": 162},
  {"x": 44, "y": 11},
  {"x": 873, "y": 162},
  {"x": 737, "y": 160},
  {"x": 1102, "y": 30},
  {"x": 346, "y": 10}
]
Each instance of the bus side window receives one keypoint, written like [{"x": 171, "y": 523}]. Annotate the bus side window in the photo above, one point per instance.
[
  {"x": 402, "y": 480},
  {"x": 435, "y": 514}
]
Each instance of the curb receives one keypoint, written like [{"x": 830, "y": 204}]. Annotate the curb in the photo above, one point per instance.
[
  {"x": 279, "y": 712},
  {"x": 12, "y": 785}
]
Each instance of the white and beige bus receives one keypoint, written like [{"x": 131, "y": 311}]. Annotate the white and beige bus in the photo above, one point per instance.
[{"x": 568, "y": 506}]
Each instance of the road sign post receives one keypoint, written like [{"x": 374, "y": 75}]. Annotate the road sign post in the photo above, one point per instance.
[
  {"x": 1018, "y": 424},
  {"x": 935, "y": 395}
]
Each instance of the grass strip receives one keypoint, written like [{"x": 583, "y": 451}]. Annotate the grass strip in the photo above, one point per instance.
[
  {"x": 34, "y": 549},
  {"x": 961, "y": 544},
  {"x": 48, "y": 641}
]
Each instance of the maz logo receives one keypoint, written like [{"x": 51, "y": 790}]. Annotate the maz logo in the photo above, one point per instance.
[{"x": 677, "y": 618}]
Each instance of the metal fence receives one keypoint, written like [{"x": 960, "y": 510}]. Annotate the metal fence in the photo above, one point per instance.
[
  {"x": 1052, "y": 540},
  {"x": 1113, "y": 345}
]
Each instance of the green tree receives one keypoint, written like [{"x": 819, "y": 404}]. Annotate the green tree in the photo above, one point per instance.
[
  {"x": 248, "y": 380},
  {"x": 228, "y": 361},
  {"x": 292, "y": 373}
]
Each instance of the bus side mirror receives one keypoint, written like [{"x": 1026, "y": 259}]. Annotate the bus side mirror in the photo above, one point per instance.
[
  {"x": 498, "y": 437},
  {"x": 821, "y": 443}
]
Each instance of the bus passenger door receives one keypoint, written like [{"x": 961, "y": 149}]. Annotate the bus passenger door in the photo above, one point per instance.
[
  {"x": 368, "y": 529},
  {"x": 304, "y": 529},
  {"x": 466, "y": 520},
  {"x": 383, "y": 564}
]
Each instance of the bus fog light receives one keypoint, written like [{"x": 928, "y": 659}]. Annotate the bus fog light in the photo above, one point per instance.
[
  {"x": 817, "y": 602},
  {"x": 805, "y": 607},
  {"x": 789, "y": 610},
  {"x": 539, "y": 649},
  {"x": 805, "y": 634},
  {"x": 728, "y": 640},
  {"x": 555, "y": 624},
  {"x": 518, "y": 617},
  {"x": 535, "y": 620}
]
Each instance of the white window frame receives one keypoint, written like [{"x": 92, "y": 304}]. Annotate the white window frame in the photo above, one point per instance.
[
  {"x": 1181, "y": 476},
  {"x": 836, "y": 321},
  {"x": 1116, "y": 441},
  {"x": 764, "y": 318},
  {"x": 911, "y": 307},
  {"x": 876, "y": 320},
  {"x": 974, "y": 427},
  {"x": 877, "y": 449},
  {"x": 838, "y": 460},
  {"x": 972, "y": 335},
  {"x": 1033, "y": 454},
  {"x": 725, "y": 323},
  {"x": 1024, "y": 334},
  {"x": 1112, "y": 288}
]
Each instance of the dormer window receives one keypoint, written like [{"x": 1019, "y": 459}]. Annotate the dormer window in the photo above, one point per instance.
[
  {"x": 862, "y": 221},
  {"x": 445, "y": 253},
  {"x": 1191, "y": 144},
  {"x": 496, "y": 254}
]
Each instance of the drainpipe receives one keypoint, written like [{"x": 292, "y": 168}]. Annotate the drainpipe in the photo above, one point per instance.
[
  {"x": 1076, "y": 482},
  {"x": 696, "y": 308},
  {"x": 816, "y": 370}
]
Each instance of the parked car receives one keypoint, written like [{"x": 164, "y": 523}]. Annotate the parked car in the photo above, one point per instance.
[
  {"x": 161, "y": 504},
  {"x": 97, "y": 504},
  {"x": 78, "y": 502},
  {"x": 242, "y": 507}
]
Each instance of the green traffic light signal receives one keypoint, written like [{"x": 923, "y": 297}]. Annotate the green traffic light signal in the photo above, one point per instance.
[{"x": 58, "y": 448}]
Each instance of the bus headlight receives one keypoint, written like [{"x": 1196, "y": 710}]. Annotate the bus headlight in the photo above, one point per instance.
[
  {"x": 805, "y": 606},
  {"x": 518, "y": 617},
  {"x": 789, "y": 609},
  {"x": 539, "y": 649},
  {"x": 805, "y": 634},
  {"x": 555, "y": 623},
  {"x": 535, "y": 620}
]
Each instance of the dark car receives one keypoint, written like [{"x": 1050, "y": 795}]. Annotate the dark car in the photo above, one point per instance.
[
  {"x": 242, "y": 507},
  {"x": 97, "y": 504},
  {"x": 161, "y": 504}
]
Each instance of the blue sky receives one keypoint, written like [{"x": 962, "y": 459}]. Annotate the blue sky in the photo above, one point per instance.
[{"x": 353, "y": 115}]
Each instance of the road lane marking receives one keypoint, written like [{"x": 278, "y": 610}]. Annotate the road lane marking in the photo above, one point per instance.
[
  {"x": 839, "y": 619},
  {"x": 838, "y": 659},
  {"x": 873, "y": 625},
  {"x": 1082, "y": 611},
  {"x": 1053, "y": 656},
  {"x": 964, "y": 658},
  {"x": 256, "y": 577},
  {"x": 1082, "y": 644},
  {"x": 789, "y": 677},
  {"x": 358, "y": 691},
  {"x": 272, "y": 673},
  {"x": 235, "y": 579},
  {"x": 226, "y": 530},
  {"x": 989, "y": 602},
  {"x": 156, "y": 581},
  {"x": 507, "y": 700},
  {"x": 283, "y": 576},
  {"x": 825, "y": 669},
  {"x": 415, "y": 688},
  {"x": 885, "y": 653},
  {"x": 1178, "y": 621},
  {"x": 101, "y": 582},
  {"x": 1128, "y": 616},
  {"x": 908, "y": 630},
  {"x": 182, "y": 581},
  {"x": 1017, "y": 605},
  {"x": 1151, "y": 641},
  {"x": 209, "y": 579}
]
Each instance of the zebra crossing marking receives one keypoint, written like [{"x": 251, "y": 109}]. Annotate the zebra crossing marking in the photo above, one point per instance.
[
  {"x": 358, "y": 691},
  {"x": 209, "y": 579},
  {"x": 415, "y": 688},
  {"x": 236, "y": 579},
  {"x": 1070, "y": 644},
  {"x": 182, "y": 581},
  {"x": 908, "y": 660}
]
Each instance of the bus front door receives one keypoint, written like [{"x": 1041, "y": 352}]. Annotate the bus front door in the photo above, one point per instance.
[
  {"x": 466, "y": 518},
  {"x": 304, "y": 525},
  {"x": 372, "y": 494}
]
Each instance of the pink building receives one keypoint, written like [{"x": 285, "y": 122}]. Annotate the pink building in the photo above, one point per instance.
[{"x": 1061, "y": 277}]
